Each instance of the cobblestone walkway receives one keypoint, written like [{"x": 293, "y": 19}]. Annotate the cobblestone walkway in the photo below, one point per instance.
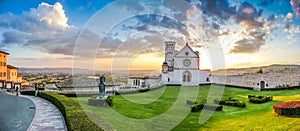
[{"x": 47, "y": 117}]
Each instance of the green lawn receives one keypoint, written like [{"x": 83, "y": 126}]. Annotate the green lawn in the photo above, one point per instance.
[{"x": 165, "y": 109}]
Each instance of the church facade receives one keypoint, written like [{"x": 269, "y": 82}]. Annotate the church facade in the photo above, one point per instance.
[{"x": 182, "y": 67}]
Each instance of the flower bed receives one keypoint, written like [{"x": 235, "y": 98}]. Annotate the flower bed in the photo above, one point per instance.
[{"x": 287, "y": 108}]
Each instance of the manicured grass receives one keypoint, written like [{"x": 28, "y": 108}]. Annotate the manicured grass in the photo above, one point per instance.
[{"x": 141, "y": 110}]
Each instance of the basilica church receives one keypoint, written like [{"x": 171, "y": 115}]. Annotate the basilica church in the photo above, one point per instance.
[{"x": 182, "y": 67}]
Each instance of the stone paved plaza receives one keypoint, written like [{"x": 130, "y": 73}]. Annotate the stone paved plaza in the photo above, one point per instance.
[
  {"x": 29, "y": 112},
  {"x": 47, "y": 116}
]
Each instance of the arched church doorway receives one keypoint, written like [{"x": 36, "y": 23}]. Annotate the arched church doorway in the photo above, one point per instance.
[
  {"x": 186, "y": 76},
  {"x": 262, "y": 84}
]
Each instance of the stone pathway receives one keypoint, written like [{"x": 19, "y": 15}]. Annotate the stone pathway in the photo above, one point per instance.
[{"x": 47, "y": 117}]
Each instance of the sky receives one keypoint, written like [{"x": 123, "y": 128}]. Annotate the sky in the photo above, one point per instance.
[{"x": 130, "y": 34}]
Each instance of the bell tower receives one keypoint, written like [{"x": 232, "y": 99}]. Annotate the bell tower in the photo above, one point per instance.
[{"x": 169, "y": 53}]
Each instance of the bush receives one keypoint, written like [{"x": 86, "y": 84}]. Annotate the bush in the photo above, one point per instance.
[
  {"x": 251, "y": 96},
  {"x": 260, "y": 99},
  {"x": 74, "y": 94},
  {"x": 143, "y": 90},
  {"x": 198, "y": 107},
  {"x": 189, "y": 102},
  {"x": 30, "y": 93},
  {"x": 75, "y": 117},
  {"x": 101, "y": 102},
  {"x": 231, "y": 102}
]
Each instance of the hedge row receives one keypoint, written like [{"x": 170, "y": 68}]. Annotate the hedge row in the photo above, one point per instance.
[
  {"x": 74, "y": 94},
  {"x": 259, "y": 99},
  {"x": 189, "y": 102},
  {"x": 231, "y": 102},
  {"x": 75, "y": 117},
  {"x": 144, "y": 90},
  {"x": 99, "y": 102},
  {"x": 287, "y": 108},
  {"x": 200, "y": 106},
  {"x": 131, "y": 91}
]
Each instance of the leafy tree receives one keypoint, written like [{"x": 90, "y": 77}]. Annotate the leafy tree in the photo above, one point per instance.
[{"x": 260, "y": 71}]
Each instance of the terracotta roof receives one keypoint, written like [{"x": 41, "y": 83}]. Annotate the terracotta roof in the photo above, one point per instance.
[
  {"x": 4, "y": 52},
  {"x": 12, "y": 67}
]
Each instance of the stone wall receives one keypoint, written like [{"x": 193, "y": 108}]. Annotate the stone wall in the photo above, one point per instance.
[{"x": 272, "y": 80}]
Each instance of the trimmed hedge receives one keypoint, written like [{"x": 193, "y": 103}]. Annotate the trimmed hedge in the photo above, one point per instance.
[
  {"x": 259, "y": 99},
  {"x": 74, "y": 94},
  {"x": 287, "y": 108},
  {"x": 198, "y": 107},
  {"x": 100, "y": 102},
  {"x": 29, "y": 93},
  {"x": 189, "y": 102},
  {"x": 143, "y": 90},
  {"x": 75, "y": 117},
  {"x": 231, "y": 102}
]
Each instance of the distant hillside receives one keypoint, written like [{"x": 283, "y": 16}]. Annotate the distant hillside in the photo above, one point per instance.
[
  {"x": 41, "y": 70},
  {"x": 87, "y": 71},
  {"x": 235, "y": 71},
  {"x": 266, "y": 69}
]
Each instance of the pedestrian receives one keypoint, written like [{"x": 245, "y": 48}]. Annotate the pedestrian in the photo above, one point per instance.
[
  {"x": 36, "y": 88},
  {"x": 17, "y": 88}
]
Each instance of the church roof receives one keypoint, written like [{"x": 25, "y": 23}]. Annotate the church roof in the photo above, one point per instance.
[{"x": 187, "y": 46}]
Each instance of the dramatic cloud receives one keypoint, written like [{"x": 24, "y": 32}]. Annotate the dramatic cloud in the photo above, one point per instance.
[
  {"x": 245, "y": 46},
  {"x": 247, "y": 16},
  {"x": 255, "y": 29},
  {"x": 149, "y": 42},
  {"x": 51, "y": 15},
  {"x": 296, "y": 7},
  {"x": 44, "y": 28},
  {"x": 218, "y": 8}
]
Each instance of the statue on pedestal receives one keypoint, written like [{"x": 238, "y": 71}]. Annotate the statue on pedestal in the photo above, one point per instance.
[{"x": 101, "y": 87}]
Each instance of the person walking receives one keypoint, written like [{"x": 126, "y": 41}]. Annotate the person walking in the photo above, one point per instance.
[
  {"x": 36, "y": 88},
  {"x": 17, "y": 88}
]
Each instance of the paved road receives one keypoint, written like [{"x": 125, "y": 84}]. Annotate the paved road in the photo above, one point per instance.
[
  {"x": 20, "y": 113},
  {"x": 15, "y": 114}
]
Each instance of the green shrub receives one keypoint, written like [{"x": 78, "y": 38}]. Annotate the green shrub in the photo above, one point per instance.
[
  {"x": 74, "y": 94},
  {"x": 200, "y": 106},
  {"x": 75, "y": 117},
  {"x": 189, "y": 102},
  {"x": 260, "y": 99},
  {"x": 109, "y": 100},
  {"x": 143, "y": 90},
  {"x": 197, "y": 107},
  {"x": 213, "y": 106},
  {"x": 251, "y": 96},
  {"x": 231, "y": 102},
  {"x": 30, "y": 93}
]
